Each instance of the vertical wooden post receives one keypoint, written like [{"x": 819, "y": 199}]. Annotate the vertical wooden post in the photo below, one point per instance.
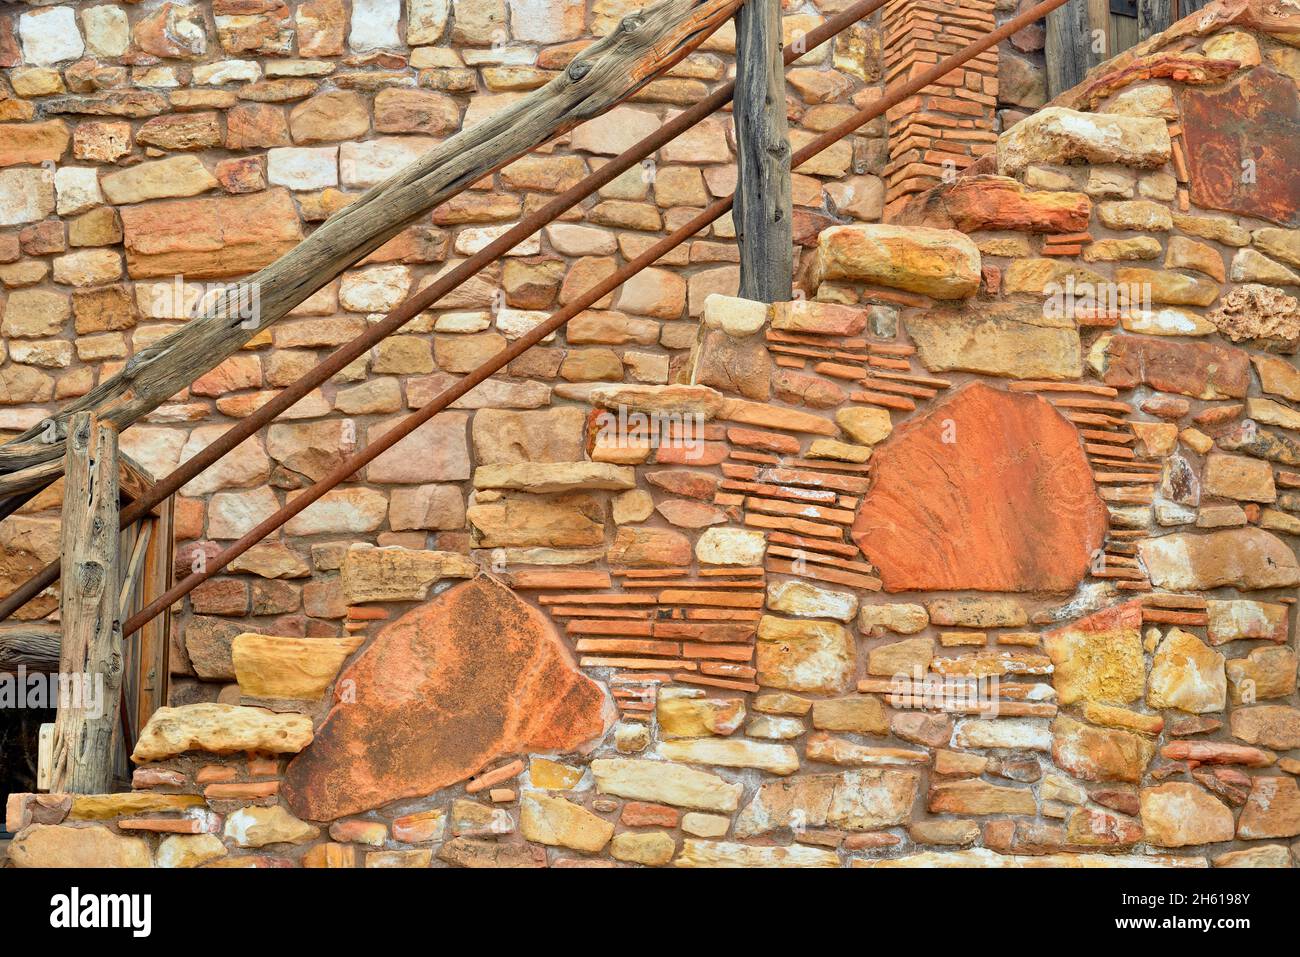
[
  {"x": 1069, "y": 48},
  {"x": 762, "y": 210},
  {"x": 90, "y": 658}
]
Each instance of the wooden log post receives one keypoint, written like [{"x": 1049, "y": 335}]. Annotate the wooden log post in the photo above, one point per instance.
[
  {"x": 90, "y": 658},
  {"x": 762, "y": 212}
]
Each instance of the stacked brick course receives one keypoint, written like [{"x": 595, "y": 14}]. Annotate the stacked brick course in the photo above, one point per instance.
[{"x": 946, "y": 127}]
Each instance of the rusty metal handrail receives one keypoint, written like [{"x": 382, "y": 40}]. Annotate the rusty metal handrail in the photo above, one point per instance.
[
  {"x": 364, "y": 456},
  {"x": 413, "y": 305}
]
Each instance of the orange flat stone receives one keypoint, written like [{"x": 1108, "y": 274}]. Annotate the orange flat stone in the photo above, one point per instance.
[
  {"x": 474, "y": 675},
  {"x": 990, "y": 491}
]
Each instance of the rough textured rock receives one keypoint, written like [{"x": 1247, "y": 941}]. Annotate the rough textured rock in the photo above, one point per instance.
[
  {"x": 1252, "y": 118},
  {"x": 1245, "y": 558},
  {"x": 1272, "y": 810},
  {"x": 1186, "y": 674},
  {"x": 483, "y": 675},
  {"x": 1056, "y": 135},
  {"x": 220, "y": 729},
  {"x": 269, "y": 666},
  {"x": 1100, "y": 754},
  {"x": 804, "y": 655},
  {"x": 927, "y": 529},
  {"x": 935, "y": 262},
  {"x": 209, "y": 238},
  {"x": 1178, "y": 813},
  {"x": 1099, "y": 658},
  {"x": 52, "y": 845},
  {"x": 854, "y": 800},
  {"x": 1256, "y": 312},
  {"x": 1004, "y": 339},
  {"x": 1271, "y": 726},
  {"x": 997, "y": 202},
  {"x": 1198, "y": 369}
]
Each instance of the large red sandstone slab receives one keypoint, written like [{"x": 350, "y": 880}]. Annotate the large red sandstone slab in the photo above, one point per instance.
[
  {"x": 209, "y": 238},
  {"x": 1255, "y": 119},
  {"x": 990, "y": 491},
  {"x": 475, "y": 674}
]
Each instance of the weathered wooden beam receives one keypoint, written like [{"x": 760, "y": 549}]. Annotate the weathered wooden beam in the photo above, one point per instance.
[
  {"x": 645, "y": 44},
  {"x": 762, "y": 212},
  {"x": 1069, "y": 49},
  {"x": 1154, "y": 16},
  {"x": 31, "y": 645},
  {"x": 90, "y": 654}
]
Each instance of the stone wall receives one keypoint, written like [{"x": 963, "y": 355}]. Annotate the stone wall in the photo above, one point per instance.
[
  {"x": 146, "y": 141},
  {"x": 981, "y": 552}
]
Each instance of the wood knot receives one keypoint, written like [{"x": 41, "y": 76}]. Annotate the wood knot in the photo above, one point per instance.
[
  {"x": 578, "y": 69},
  {"x": 631, "y": 23}
]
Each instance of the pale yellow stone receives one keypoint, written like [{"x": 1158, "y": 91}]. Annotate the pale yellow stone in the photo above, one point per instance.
[
  {"x": 666, "y": 783},
  {"x": 1187, "y": 674},
  {"x": 552, "y": 775},
  {"x": 776, "y": 758},
  {"x": 865, "y": 425},
  {"x": 259, "y": 826},
  {"x": 705, "y": 825},
  {"x": 394, "y": 573},
  {"x": 554, "y": 821},
  {"x": 190, "y": 850},
  {"x": 103, "y": 807},
  {"x": 652, "y": 848},
  {"x": 806, "y": 600},
  {"x": 546, "y": 477},
  {"x": 688, "y": 713},
  {"x": 55, "y": 845},
  {"x": 220, "y": 729},
  {"x": 837, "y": 451},
  {"x": 271, "y": 666},
  {"x": 174, "y": 176},
  {"x": 696, "y": 853}
]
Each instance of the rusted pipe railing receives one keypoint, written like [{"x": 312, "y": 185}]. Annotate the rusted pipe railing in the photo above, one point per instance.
[
  {"x": 411, "y": 307},
  {"x": 363, "y": 457}
]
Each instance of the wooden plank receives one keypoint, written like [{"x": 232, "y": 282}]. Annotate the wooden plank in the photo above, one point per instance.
[
  {"x": 1069, "y": 46},
  {"x": 1123, "y": 33},
  {"x": 646, "y": 43},
  {"x": 44, "y": 753},
  {"x": 763, "y": 205},
  {"x": 90, "y": 657},
  {"x": 1153, "y": 17},
  {"x": 153, "y": 642}
]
